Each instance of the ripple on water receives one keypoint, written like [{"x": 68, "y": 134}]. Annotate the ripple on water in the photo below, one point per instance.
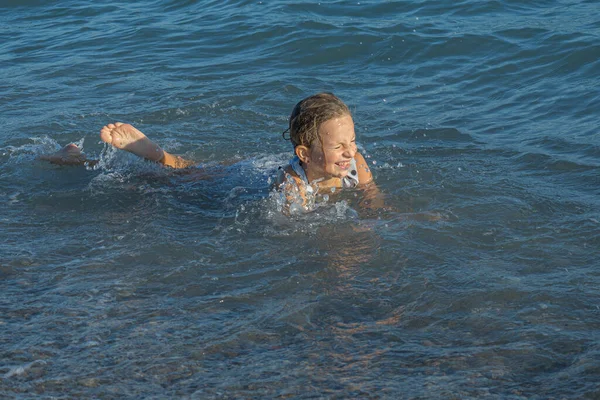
[{"x": 478, "y": 279}]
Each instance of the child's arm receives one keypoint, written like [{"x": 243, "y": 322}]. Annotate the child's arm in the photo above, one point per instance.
[
  {"x": 293, "y": 189},
  {"x": 364, "y": 172},
  {"x": 373, "y": 198}
]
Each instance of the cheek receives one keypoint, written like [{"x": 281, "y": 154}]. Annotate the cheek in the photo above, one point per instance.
[{"x": 318, "y": 158}]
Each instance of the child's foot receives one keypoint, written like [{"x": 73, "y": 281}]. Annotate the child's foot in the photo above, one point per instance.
[
  {"x": 68, "y": 155},
  {"x": 126, "y": 137}
]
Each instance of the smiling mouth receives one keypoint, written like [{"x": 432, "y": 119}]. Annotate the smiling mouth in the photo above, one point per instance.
[{"x": 343, "y": 164}]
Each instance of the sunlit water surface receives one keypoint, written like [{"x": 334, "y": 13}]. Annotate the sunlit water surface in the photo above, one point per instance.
[{"x": 478, "y": 280}]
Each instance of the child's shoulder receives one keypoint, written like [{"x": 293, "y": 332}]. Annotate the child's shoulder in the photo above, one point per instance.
[
  {"x": 285, "y": 174},
  {"x": 364, "y": 172}
]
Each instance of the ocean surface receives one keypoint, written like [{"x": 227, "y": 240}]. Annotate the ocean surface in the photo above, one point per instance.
[{"x": 479, "y": 279}]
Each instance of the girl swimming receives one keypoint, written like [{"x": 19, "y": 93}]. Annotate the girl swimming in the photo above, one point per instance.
[{"x": 320, "y": 128}]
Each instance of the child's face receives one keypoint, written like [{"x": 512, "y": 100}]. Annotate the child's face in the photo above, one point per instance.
[{"x": 331, "y": 156}]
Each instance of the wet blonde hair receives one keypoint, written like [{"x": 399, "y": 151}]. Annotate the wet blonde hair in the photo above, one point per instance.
[{"x": 308, "y": 115}]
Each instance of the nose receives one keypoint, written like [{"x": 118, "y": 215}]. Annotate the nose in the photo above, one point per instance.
[{"x": 350, "y": 150}]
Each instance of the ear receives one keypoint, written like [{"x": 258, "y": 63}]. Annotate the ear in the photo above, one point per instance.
[{"x": 303, "y": 153}]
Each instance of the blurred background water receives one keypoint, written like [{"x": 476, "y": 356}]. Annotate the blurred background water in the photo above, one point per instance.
[{"x": 480, "y": 120}]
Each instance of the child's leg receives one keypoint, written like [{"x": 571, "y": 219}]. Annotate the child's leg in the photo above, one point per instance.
[
  {"x": 68, "y": 155},
  {"x": 128, "y": 138}
]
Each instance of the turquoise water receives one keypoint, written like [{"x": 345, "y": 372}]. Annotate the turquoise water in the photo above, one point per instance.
[{"x": 480, "y": 121}]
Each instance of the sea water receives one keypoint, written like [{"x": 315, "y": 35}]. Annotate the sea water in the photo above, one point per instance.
[{"x": 478, "y": 279}]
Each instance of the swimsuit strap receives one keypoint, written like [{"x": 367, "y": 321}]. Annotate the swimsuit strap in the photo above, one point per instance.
[
  {"x": 351, "y": 180},
  {"x": 295, "y": 164}
]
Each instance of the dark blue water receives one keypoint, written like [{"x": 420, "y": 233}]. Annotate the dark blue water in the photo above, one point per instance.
[{"x": 127, "y": 280}]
